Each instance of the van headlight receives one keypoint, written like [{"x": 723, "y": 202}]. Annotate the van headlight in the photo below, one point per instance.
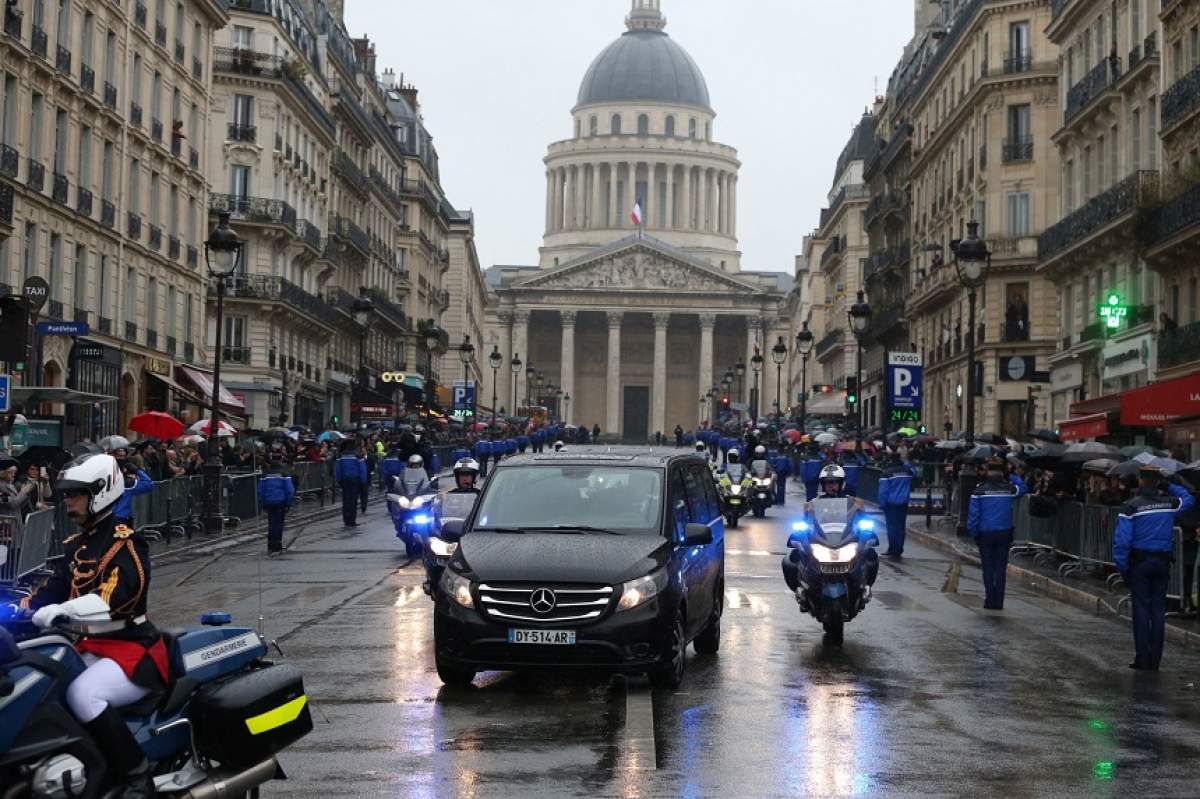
[
  {"x": 844, "y": 554},
  {"x": 641, "y": 590},
  {"x": 457, "y": 587},
  {"x": 442, "y": 549}
]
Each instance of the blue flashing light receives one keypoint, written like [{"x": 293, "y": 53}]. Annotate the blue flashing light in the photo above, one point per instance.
[
  {"x": 867, "y": 525},
  {"x": 801, "y": 527},
  {"x": 422, "y": 518},
  {"x": 216, "y": 619}
]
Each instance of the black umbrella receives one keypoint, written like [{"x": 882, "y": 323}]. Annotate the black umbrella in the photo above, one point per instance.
[
  {"x": 986, "y": 438},
  {"x": 982, "y": 452},
  {"x": 1085, "y": 451},
  {"x": 43, "y": 456},
  {"x": 1042, "y": 434},
  {"x": 85, "y": 448},
  {"x": 1048, "y": 456}
]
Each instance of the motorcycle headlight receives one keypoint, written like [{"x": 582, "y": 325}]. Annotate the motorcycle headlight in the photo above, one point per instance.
[
  {"x": 866, "y": 526},
  {"x": 801, "y": 527},
  {"x": 403, "y": 502},
  {"x": 843, "y": 554},
  {"x": 735, "y": 489},
  {"x": 641, "y": 590},
  {"x": 422, "y": 518},
  {"x": 458, "y": 588},
  {"x": 442, "y": 549},
  {"x": 417, "y": 502}
]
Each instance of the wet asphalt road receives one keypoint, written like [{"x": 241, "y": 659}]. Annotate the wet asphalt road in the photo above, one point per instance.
[{"x": 928, "y": 696}]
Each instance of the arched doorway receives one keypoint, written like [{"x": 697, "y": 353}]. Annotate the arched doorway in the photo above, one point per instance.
[{"x": 52, "y": 375}]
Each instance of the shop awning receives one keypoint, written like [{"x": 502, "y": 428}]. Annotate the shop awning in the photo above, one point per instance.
[
  {"x": 185, "y": 393},
  {"x": 1109, "y": 403},
  {"x": 204, "y": 383},
  {"x": 1090, "y": 426},
  {"x": 36, "y": 395},
  {"x": 1182, "y": 433},
  {"x": 1161, "y": 403}
]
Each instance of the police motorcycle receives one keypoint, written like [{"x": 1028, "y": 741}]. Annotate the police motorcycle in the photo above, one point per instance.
[
  {"x": 831, "y": 562},
  {"x": 410, "y": 499},
  {"x": 762, "y": 489},
  {"x": 734, "y": 484},
  {"x": 214, "y": 732},
  {"x": 453, "y": 506}
]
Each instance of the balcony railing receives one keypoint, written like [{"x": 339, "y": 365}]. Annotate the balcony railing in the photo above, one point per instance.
[
  {"x": 83, "y": 202},
  {"x": 1099, "y": 211},
  {"x": 108, "y": 214},
  {"x": 832, "y": 251},
  {"x": 309, "y": 233},
  {"x": 346, "y": 229},
  {"x": 249, "y": 62},
  {"x": 133, "y": 226},
  {"x": 87, "y": 78},
  {"x": 173, "y": 247},
  {"x": 156, "y": 129},
  {"x": 255, "y": 210},
  {"x": 888, "y": 202},
  {"x": 1018, "y": 149},
  {"x": 1181, "y": 99},
  {"x": 238, "y": 355},
  {"x": 6, "y": 203},
  {"x": 12, "y": 21},
  {"x": 388, "y": 309},
  {"x": 110, "y": 95},
  {"x": 1018, "y": 62},
  {"x": 1179, "y": 346},
  {"x": 135, "y": 115},
  {"x": 35, "y": 175},
  {"x": 38, "y": 41},
  {"x": 131, "y": 331},
  {"x": 829, "y": 342},
  {"x": 1176, "y": 215},
  {"x": 849, "y": 193},
  {"x": 160, "y": 34},
  {"x": 1093, "y": 332},
  {"x": 10, "y": 161},
  {"x": 344, "y": 165},
  {"x": 62, "y": 60},
  {"x": 240, "y": 132},
  {"x": 155, "y": 239},
  {"x": 884, "y": 157},
  {"x": 270, "y": 287},
  {"x": 1093, "y": 84},
  {"x": 885, "y": 318}
]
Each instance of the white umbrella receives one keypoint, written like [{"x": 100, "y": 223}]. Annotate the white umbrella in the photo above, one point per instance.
[
  {"x": 950, "y": 443},
  {"x": 224, "y": 429},
  {"x": 827, "y": 438},
  {"x": 191, "y": 439},
  {"x": 109, "y": 443}
]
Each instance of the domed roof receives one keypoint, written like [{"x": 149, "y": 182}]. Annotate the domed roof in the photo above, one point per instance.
[{"x": 644, "y": 65}]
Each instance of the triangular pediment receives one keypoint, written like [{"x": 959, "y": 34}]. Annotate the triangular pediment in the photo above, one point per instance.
[{"x": 638, "y": 265}]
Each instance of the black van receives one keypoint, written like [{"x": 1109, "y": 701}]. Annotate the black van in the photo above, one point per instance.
[{"x": 594, "y": 557}]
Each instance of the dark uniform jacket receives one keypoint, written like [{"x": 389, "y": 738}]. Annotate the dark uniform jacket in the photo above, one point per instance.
[{"x": 111, "y": 560}]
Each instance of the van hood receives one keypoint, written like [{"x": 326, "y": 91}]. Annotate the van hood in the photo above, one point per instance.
[{"x": 561, "y": 557}]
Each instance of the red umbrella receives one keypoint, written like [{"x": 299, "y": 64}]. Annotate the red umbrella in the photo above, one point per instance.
[
  {"x": 793, "y": 435},
  {"x": 156, "y": 424}
]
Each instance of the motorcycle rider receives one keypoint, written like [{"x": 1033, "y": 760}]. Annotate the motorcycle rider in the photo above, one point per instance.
[
  {"x": 103, "y": 581},
  {"x": 833, "y": 486},
  {"x": 390, "y": 467},
  {"x": 832, "y": 480},
  {"x": 466, "y": 472}
]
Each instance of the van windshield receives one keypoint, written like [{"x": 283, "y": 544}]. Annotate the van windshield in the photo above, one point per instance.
[{"x": 619, "y": 498}]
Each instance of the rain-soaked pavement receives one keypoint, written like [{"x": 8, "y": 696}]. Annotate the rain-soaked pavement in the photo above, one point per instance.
[{"x": 929, "y": 695}]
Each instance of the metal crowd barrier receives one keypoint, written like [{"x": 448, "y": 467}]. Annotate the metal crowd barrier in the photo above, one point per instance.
[{"x": 25, "y": 544}]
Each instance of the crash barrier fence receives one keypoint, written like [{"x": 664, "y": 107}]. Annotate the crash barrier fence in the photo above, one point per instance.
[{"x": 25, "y": 544}]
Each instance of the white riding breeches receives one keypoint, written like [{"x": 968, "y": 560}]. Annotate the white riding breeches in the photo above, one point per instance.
[{"x": 102, "y": 684}]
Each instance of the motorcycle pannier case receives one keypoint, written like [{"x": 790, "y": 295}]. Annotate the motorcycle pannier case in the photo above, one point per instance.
[{"x": 246, "y": 718}]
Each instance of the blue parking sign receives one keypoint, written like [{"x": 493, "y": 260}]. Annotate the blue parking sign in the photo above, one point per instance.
[
  {"x": 5, "y": 384},
  {"x": 463, "y": 396},
  {"x": 905, "y": 375}
]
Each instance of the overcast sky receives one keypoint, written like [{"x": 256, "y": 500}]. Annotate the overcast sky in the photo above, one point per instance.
[{"x": 498, "y": 78}]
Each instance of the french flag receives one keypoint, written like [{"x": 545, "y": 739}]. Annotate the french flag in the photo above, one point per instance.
[{"x": 636, "y": 216}]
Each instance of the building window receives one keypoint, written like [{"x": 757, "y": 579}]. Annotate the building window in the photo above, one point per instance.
[
  {"x": 79, "y": 277},
  {"x": 130, "y": 294},
  {"x": 152, "y": 304},
  {"x": 1018, "y": 214},
  {"x": 1016, "y": 312},
  {"x": 1114, "y": 153},
  {"x": 614, "y": 125},
  {"x": 1068, "y": 310},
  {"x": 155, "y": 211},
  {"x": 243, "y": 110},
  {"x": 670, "y": 126},
  {"x": 187, "y": 320},
  {"x": 36, "y": 106},
  {"x": 643, "y": 125},
  {"x": 1086, "y": 167},
  {"x": 1135, "y": 144},
  {"x": 1152, "y": 133},
  {"x": 56, "y": 270},
  {"x": 593, "y": 126},
  {"x": 692, "y": 128},
  {"x": 85, "y": 157},
  {"x": 29, "y": 267},
  {"x": 1069, "y": 187},
  {"x": 102, "y": 286},
  {"x": 135, "y": 87},
  {"x": 1101, "y": 163},
  {"x": 240, "y": 184}
]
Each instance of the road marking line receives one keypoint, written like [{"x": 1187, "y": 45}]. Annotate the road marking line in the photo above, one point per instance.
[{"x": 639, "y": 750}]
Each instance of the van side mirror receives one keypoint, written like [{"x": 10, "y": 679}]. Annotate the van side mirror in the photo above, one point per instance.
[
  {"x": 696, "y": 534},
  {"x": 452, "y": 530}
]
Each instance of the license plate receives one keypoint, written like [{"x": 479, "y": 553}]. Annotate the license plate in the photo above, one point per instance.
[{"x": 542, "y": 637}]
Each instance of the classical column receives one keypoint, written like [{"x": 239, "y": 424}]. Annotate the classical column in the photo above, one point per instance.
[
  {"x": 701, "y": 198},
  {"x": 658, "y": 421},
  {"x": 630, "y": 194},
  {"x": 714, "y": 208},
  {"x": 733, "y": 206},
  {"x": 581, "y": 197},
  {"x": 569, "y": 197},
  {"x": 567, "y": 378},
  {"x": 596, "y": 220},
  {"x": 549, "y": 199},
  {"x": 614, "y": 171},
  {"x": 670, "y": 197},
  {"x": 612, "y": 419},
  {"x": 559, "y": 215},
  {"x": 685, "y": 214},
  {"x": 726, "y": 204},
  {"x": 708, "y": 322},
  {"x": 520, "y": 339}
]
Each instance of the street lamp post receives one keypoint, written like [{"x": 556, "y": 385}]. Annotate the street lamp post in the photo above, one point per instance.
[
  {"x": 530, "y": 372},
  {"x": 223, "y": 255},
  {"x": 558, "y": 406},
  {"x": 566, "y": 406},
  {"x": 779, "y": 354},
  {"x": 804, "y": 345},
  {"x": 540, "y": 382},
  {"x": 495, "y": 360},
  {"x": 466, "y": 354},
  {"x": 860, "y": 322},
  {"x": 971, "y": 261},
  {"x": 726, "y": 383},
  {"x": 756, "y": 364},
  {"x": 515, "y": 366},
  {"x": 362, "y": 309},
  {"x": 739, "y": 369}
]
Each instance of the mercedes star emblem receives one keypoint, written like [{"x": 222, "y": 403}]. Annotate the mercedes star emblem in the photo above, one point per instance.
[{"x": 543, "y": 601}]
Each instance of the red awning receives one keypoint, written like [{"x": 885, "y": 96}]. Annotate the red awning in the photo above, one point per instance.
[
  {"x": 1092, "y": 426},
  {"x": 1158, "y": 404},
  {"x": 1109, "y": 403},
  {"x": 203, "y": 381}
]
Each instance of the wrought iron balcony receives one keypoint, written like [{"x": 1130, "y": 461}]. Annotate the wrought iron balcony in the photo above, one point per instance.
[
  {"x": 10, "y": 161},
  {"x": 87, "y": 78},
  {"x": 833, "y": 250},
  {"x": 238, "y": 355},
  {"x": 6, "y": 203},
  {"x": 135, "y": 115},
  {"x": 829, "y": 342},
  {"x": 249, "y": 62},
  {"x": 886, "y": 203},
  {"x": 152, "y": 339},
  {"x": 271, "y": 287},
  {"x": 35, "y": 175},
  {"x": 255, "y": 210},
  {"x": 344, "y": 165},
  {"x": 62, "y": 60},
  {"x": 885, "y": 317},
  {"x": 38, "y": 41},
  {"x": 131, "y": 331},
  {"x": 1081, "y": 95},
  {"x": 1175, "y": 216},
  {"x": 197, "y": 68},
  {"x": 1018, "y": 62},
  {"x": 108, "y": 214},
  {"x": 1181, "y": 99},
  {"x": 83, "y": 201},
  {"x": 160, "y": 34},
  {"x": 240, "y": 132},
  {"x": 883, "y": 157},
  {"x": 60, "y": 187},
  {"x": 1101, "y": 210},
  {"x": 110, "y": 95},
  {"x": 12, "y": 21},
  {"x": 156, "y": 129},
  {"x": 173, "y": 247},
  {"x": 1018, "y": 149},
  {"x": 388, "y": 309},
  {"x": 344, "y": 228},
  {"x": 155, "y": 239},
  {"x": 139, "y": 15},
  {"x": 309, "y": 233},
  {"x": 1179, "y": 346},
  {"x": 133, "y": 226},
  {"x": 193, "y": 256}
]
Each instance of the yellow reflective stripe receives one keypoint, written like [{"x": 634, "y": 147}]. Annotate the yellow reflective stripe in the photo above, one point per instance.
[{"x": 284, "y": 714}]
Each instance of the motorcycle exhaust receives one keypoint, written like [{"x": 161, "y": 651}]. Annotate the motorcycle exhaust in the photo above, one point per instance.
[{"x": 235, "y": 784}]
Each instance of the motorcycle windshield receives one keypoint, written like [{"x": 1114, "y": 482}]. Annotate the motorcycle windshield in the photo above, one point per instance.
[
  {"x": 413, "y": 481},
  {"x": 831, "y": 516},
  {"x": 734, "y": 470},
  {"x": 760, "y": 468},
  {"x": 457, "y": 506}
]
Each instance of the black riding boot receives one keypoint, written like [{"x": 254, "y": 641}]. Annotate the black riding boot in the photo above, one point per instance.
[{"x": 123, "y": 753}]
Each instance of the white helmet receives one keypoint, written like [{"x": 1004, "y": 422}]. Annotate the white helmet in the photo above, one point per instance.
[
  {"x": 559, "y": 446},
  {"x": 833, "y": 473},
  {"x": 760, "y": 452},
  {"x": 416, "y": 462},
  {"x": 701, "y": 446},
  {"x": 467, "y": 466},
  {"x": 96, "y": 474}
]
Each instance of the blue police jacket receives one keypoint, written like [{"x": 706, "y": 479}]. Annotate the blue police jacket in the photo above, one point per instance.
[
  {"x": 390, "y": 467},
  {"x": 810, "y": 469},
  {"x": 781, "y": 464},
  {"x": 276, "y": 489},
  {"x": 483, "y": 449},
  {"x": 510, "y": 446},
  {"x": 990, "y": 509},
  {"x": 142, "y": 485},
  {"x": 349, "y": 467},
  {"x": 522, "y": 441},
  {"x": 458, "y": 454},
  {"x": 1146, "y": 522},
  {"x": 895, "y": 486}
]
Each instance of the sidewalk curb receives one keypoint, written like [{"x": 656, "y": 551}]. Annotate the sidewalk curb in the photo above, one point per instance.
[{"x": 1052, "y": 588}]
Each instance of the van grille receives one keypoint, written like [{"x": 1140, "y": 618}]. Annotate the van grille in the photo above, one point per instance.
[{"x": 527, "y": 603}]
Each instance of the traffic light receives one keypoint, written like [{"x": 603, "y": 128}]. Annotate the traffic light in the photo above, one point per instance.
[
  {"x": 922, "y": 430},
  {"x": 851, "y": 390},
  {"x": 334, "y": 421},
  {"x": 725, "y": 401}
]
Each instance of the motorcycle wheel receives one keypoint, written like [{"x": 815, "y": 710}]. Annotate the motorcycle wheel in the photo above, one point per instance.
[
  {"x": 834, "y": 629},
  {"x": 760, "y": 513},
  {"x": 733, "y": 521},
  {"x": 412, "y": 549}
]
